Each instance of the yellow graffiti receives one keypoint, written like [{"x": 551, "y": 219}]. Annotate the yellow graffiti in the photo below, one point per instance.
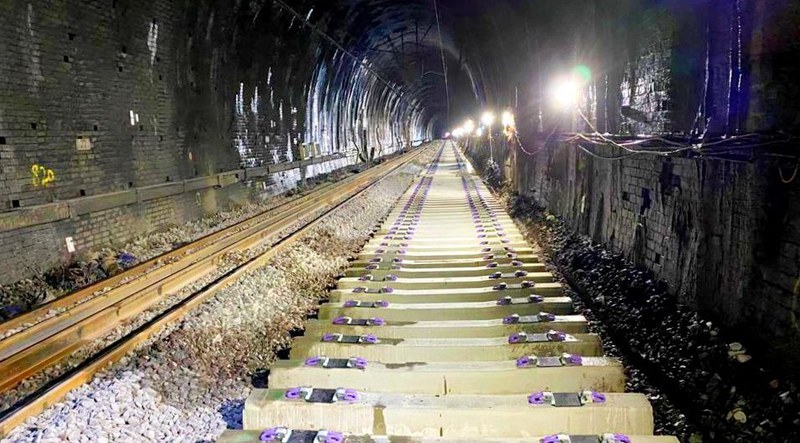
[{"x": 41, "y": 176}]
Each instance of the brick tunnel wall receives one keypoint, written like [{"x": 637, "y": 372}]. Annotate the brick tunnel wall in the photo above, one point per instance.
[
  {"x": 98, "y": 97},
  {"x": 725, "y": 235}
]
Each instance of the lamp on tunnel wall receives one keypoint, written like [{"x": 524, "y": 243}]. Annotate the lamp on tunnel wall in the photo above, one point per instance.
[
  {"x": 564, "y": 93},
  {"x": 487, "y": 119},
  {"x": 509, "y": 124},
  {"x": 469, "y": 126}
]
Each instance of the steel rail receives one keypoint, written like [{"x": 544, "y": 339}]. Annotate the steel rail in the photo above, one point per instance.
[{"x": 29, "y": 351}]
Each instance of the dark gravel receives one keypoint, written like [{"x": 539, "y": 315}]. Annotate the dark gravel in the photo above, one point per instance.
[{"x": 699, "y": 391}]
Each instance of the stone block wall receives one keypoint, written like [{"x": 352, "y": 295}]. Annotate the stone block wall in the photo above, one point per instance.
[
  {"x": 723, "y": 234},
  {"x": 111, "y": 96}
]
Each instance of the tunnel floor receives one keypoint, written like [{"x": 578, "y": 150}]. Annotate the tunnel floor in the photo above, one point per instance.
[{"x": 457, "y": 321}]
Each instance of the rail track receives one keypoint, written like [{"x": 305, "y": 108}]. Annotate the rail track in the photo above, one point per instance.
[
  {"x": 40, "y": 338},
  {"x": 447, "y": 328}
]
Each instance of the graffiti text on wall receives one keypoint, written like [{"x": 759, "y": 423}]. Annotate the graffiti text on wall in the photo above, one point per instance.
[{"x": 42, "y": 176}]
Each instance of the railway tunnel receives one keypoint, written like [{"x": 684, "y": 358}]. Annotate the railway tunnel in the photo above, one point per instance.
[{"x": 430, "y": 221}]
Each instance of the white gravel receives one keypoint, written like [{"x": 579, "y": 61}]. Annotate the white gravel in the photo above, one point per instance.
[{"x": 190, "y": 383}]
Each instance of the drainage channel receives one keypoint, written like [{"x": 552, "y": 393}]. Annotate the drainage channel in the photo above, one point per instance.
[{"x": 447, "y": 328}]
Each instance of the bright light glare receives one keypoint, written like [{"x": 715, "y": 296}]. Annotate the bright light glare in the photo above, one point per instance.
[
  {"x": 446, "y": 135},
  {"x": 469, "y": 126},
  {"x": 565, "y": 93},
  {"x": 458, "y": 132},
  {"x": 508, "y": 119},
  {"x": 487, "y": 119},
  {"x": 480, "y": 132}
]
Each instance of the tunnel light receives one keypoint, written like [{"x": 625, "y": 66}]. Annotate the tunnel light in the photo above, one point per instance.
[
  {"x": 479, "y": 132},
  {"x": 508, "y": 120},
  {"x": 487, "y": 119},
  {"x": 564, "y": 94},
  {"x": 509, "y": 124},
  {"x": 469, "y": 126}
]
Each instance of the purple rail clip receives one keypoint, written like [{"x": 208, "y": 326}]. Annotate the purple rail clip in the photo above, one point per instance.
[
  {"x": 334, "y": 437},
  {"x": 519, "y": 274},
  {"x": 383, "y": 303},
  {"x": 598, "y": 397},
  {"x": 528, "y": 284},
  {"x": 367, "y": 277},
  {"x": 493, "y": 264},
  {"x": 620, "y": 438},
  {"x": 517, "y": 338},
  {"x": 341, "y": 320},
  {"x": 535, "y": 299},
  {"x": 349, "y": 395},
  {"x": 511, "y": 319},
  {"x": 501, "y": 287},
  {"x": 359, "y": 290},
  {"x": 390, "y": 277},
  {"x": 358, "y": 362},
  {"x": 556, "y": 336},
  {"x": 555, "y": 438},
  {"x": 546, "y": 316},
  {"x": 352, "y": 303},
  {"x": 524, "y": 362},
  {"x": 293, "y": 394},
  {"x": 572, "y": 359},
  {"x": 504, "y": 301},
  {"x": 328, "y": 337},
  {"x": 496, "y": 275},
  {"x": 313, "y": 361},
  {"x": 369, "y": 339},
  {"x": 537, "y": 398},
  {"x": 270, "y": 434},
  {"x": 376, "y": 321}
]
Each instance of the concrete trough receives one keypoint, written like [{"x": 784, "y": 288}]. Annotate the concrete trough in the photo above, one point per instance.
[
  {"x": 447, "y": 311},
  {"x": 553, "y": 289},
  {"x": 464, "y": 239},
  {"x": 449, "y": 416},
  {"x": 450, "y": 254},
  {"x": 231, "y": 436},
  {"x": 410, "y": 245},
  {"x": 455, "y": 378},
  {"x": 398, "y": 350},
  {"x": 443, "y": 281},
  {"x": 471, "y": 271},
  {"x": 570, "y": 324},
  {"x": 464, "y": 262}
]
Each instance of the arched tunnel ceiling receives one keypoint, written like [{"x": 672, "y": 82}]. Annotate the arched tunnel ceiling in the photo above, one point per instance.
[
  {"x": 381, "y": 61},
  {"x": 402, "y": 43}
]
